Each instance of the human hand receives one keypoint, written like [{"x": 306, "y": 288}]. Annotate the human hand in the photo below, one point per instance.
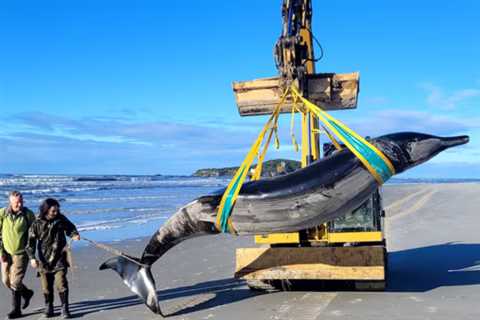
[
  {"x": 34, "y": 263},
  {"x": 76, "y": 237}
]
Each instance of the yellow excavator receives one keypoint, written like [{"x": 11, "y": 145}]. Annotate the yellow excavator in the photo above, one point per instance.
[{"x": 351, "y": 248}]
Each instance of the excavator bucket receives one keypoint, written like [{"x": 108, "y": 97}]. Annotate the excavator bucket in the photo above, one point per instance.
[{"x": 328, "y": 90}]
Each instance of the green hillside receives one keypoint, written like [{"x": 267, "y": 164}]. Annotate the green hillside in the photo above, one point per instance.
[{"x": 271, "y": 168}]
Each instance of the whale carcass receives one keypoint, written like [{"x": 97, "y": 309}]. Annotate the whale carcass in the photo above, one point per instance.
[{"x": 318, "y": 193}]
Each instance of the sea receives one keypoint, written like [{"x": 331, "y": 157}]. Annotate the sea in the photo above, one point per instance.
[{"x": 110, "y": 208}]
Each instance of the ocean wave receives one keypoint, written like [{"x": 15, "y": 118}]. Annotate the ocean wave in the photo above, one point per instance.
[
  {"x": 97, "y": 228},
  {"x": 126, "y": 198},
  {"x": 119, "y": 222},
  {"x": 107, "y": 210},
  {"x": 112, "y": 205},
  {"x": 33, "y": 181},
  {"x": 94, "y": 179},
  {"x": 50, "y": 185},
  {"x": 55, "y": 190}
]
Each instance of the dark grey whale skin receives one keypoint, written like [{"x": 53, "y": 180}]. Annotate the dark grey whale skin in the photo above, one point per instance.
[{"x": 306, "y": 198}]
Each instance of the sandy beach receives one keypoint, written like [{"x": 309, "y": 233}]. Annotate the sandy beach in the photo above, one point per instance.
[{"x": 434, "y": 252}]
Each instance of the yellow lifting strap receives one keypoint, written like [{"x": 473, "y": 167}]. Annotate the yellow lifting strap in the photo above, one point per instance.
[
  {"x": 229, "y": 197},
  {"x": 373, "y": 159},
  {"x": 258, "y": 170},
  {"x": 292, "y": 124},
  {"x": 332, "y": 138}
]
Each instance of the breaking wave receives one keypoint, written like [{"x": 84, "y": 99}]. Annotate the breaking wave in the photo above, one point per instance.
[{"x": 112, "y": 207}]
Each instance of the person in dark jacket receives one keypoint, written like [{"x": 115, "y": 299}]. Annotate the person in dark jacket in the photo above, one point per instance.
[{"x": 47, "y": 237}]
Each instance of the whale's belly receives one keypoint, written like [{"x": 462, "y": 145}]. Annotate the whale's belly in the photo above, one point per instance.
[{"x": 305, "y": 209}]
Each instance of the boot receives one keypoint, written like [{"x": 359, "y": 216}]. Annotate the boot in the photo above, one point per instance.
[
  {"x": 65, "y": 310},
  {"x": 27, "y": 295},
  {"x": 49, "y": 305},
  {"x": 16, "y": 301}
]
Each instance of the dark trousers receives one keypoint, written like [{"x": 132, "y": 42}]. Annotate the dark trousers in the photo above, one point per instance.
[{"x": 57, "y": 278}]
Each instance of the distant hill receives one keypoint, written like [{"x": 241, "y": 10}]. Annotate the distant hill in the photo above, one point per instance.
[{"x": 270, "y": 168}]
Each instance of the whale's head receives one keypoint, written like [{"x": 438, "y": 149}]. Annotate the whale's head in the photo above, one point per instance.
[{"x": 409, "y": 149}]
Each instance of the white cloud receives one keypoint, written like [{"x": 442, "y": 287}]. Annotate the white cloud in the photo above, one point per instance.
[
  {"x": 395, "y": 120},
  {"x": 436, "y": 97}
]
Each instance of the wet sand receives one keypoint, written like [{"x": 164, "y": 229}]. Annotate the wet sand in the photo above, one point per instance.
[{"x": 434, "y": 272}]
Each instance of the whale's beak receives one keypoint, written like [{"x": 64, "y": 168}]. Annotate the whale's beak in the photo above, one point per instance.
[
  {"x": 423, "y": 147},
  {"x": 449, "y": 142}
]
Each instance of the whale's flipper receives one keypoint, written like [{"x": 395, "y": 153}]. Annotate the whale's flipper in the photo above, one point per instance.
[{"x": 138, "y": 278}]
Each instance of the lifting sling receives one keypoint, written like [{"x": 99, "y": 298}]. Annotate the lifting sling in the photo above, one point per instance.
[{"x": 373, "y": 159}]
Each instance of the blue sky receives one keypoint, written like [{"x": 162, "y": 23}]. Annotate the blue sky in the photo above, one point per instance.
[{"x": 144, "y": 87}]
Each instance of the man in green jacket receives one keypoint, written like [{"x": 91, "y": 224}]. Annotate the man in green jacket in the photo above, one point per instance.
[{"x": 15, "y": 220}]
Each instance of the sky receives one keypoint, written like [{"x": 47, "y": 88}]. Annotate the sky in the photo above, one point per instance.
[{"x": 144, "y": 87}]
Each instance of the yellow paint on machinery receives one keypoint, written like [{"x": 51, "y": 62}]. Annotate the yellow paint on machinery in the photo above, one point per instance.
[
  {"x": 355, "y": 237},
  {"x": 316, "y": 253},
  {"x": 272, "y": 238},
  {"x": 320, "y": 235}
]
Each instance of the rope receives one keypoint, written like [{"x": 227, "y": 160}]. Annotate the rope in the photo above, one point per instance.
[
  {"x": 292, "y": 124},
  {"x": 114, "y": 251},
  {"x": 223, "y": 222},
  {"x": 332, "y": 138},
  {"x": 373, "y": 159},
  {"x": 261, "y": 156}
]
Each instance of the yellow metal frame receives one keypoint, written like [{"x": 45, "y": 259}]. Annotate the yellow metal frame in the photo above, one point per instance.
[
  {"x": 310, "y": 147},
  {"x": 293, "y": 237},
  {"x": 328, "y": 237},
  {"x": 342, "y": 237}
]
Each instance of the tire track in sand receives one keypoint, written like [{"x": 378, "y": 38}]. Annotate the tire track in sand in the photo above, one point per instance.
[
  {"x": 307, "y": 307},
  {"x": 398, "y": 203},
  {"x": 423, "y": 197}
]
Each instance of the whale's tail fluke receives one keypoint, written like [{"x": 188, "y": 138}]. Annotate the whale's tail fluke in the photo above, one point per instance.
[
  {"x": 135, "y": 272},
  {"x": 137, "y": 277}
]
